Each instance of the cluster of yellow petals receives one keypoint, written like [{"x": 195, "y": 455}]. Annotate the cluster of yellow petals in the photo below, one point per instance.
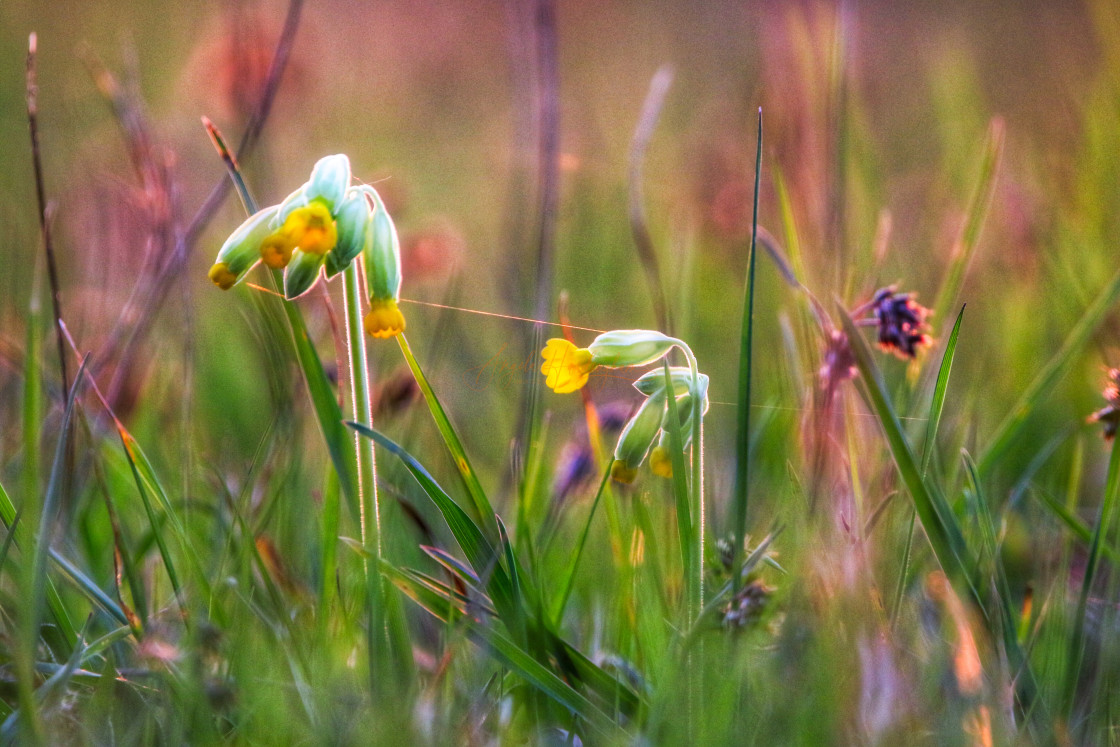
[
  {"x": 384, "y": 318},
  {"x": 565, "y": 366},
  {"x": 311, "y": 228}
]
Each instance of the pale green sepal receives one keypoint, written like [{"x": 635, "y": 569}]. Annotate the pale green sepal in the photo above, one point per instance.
[
  {"x": 353, "y": 219},
  {"x": 330, "y": 178},
  {"x": 681, "y": 376},
  {"x": 629, "y": 347},
  {"x": 301, "y": 273},
  {"x": 243, "y": 247},
  {"x": 638, "y": 435},
  {"x": 383, "y": 253}
]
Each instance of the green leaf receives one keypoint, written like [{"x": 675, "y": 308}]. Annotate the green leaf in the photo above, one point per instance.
[
  {"x": 933, "y": 510},
  {"x": 484, "y": 513},
  {"x": 480, "y": 553},
  {"x": 1012, "y": 426},
  {"x": 743, "y": 401}
]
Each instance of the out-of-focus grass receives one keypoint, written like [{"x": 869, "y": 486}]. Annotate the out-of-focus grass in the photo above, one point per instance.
[{"x": 879, "y": 159}]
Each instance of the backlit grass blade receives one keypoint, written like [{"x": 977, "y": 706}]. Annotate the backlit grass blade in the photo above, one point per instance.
[
  {"x": 323, "y": 401},
  {"x": 35, "y": 581},
  {"x": 508, "y": 653},
  {"x": 482, "y": 508},
  {"x": 936, "y": 407},
  {"x": 18, "y": 537},
  {"x": 32, "y": 398},
  {"x": 147, "y": 485},
  {"x": 937, "y": 517},
  {"x": 940, "y": 387},
  {"x": 977, "y": 211},
  {"x": 1100, "y": 533},
  {"x": 1075, "y": 525},
  {"x": 480, "y": 553},
  {"x": 743, "y": 402},
  {"x": 577, "y": 553},
  {"x": 1012, "y": 426},
  {"x": 1021, "y": 672}
]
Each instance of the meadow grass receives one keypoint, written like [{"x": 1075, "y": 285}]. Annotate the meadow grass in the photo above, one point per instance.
[{"x": 850, "y": 546}]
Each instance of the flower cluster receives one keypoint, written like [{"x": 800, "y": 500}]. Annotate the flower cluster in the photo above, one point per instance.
[
  {"x": 1110, "y": 413},
  {"x": 902, "y": 322},
  {"x": 321, "y": 228},
  {"x": 652, "y": 423},
  {"x": 567, "y": 368}
]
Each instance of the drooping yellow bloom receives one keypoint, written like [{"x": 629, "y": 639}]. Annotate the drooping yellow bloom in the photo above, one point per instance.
[
  {"x": 660, "y": 462},
  {"x": 622, "y": 472},
  {"x": 384, "y": 318},
  {"x": 311, "y": 228},
  {"x": 565, "y": 366},
  {"x": 221, "y": 276},
  {"x": 276, "y": 250}
]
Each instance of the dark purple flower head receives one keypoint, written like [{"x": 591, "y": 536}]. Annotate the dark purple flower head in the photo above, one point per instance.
[{"x": 902, "y": 322}]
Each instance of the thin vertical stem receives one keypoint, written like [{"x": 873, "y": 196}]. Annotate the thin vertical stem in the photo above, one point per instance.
[
  {"x": 40, "y": 193},
  {"x": 367, "y": 472}
]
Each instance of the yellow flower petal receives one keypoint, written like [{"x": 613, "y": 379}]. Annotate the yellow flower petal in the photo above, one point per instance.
[
  {"x": 384, "y": 319},
  {"x": 620, "y": 472},
  {"x": 660, "y": 462},
  {"x": 311, "y": 228},
  {"x": 276, "y": 250},
  {"x": 565, "y": 366},
  {"x": 221, "y": 276}
]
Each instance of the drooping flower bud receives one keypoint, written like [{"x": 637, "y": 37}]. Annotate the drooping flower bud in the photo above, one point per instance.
[
  {"x": 384, "y": 319},
  {"x": 637, "y": 437},
  {"x": 301, "y": 273},
  {"x": 353, "y": 221},
  {"x": 383, "y": 253},
  {"x": 241, "y": 250}
]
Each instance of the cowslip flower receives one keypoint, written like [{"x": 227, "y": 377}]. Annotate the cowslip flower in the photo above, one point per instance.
[
  {"x": 660, "y": 457},
  {"x": 323, "y": 225},
  {"x": 568, "y": 367}
]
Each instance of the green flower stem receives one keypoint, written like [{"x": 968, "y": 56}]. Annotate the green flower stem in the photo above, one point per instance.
[{"x": 369, "y": 510}]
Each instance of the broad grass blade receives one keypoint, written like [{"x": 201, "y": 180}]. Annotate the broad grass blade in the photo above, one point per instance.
[
  {"x": 937, "y": 517},
  {"x": 483, "y": 510},
  {"x": 1012, "y": 426}
]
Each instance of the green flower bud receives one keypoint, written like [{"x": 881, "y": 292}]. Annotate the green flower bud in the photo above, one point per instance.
[
  {"x": 242, "y": 250},
  {"x": 330, "y": 178},
  {"x": 629, "y": 347},
  {"x": 353, "y": 219},
  {"x": 681, "y": 377},
  {"x": 301, "y": 273},
  {"x": 638, "y": 435},
  {"x": 383, "y": 253}
]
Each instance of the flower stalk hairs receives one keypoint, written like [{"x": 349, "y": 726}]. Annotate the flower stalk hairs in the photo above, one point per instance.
[
  {"x": 320, "y": 229},
  {"x": 567, "y": 369}
]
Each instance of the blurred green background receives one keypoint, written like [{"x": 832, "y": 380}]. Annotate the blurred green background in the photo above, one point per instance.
[{"x": 434, "y": 104}]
